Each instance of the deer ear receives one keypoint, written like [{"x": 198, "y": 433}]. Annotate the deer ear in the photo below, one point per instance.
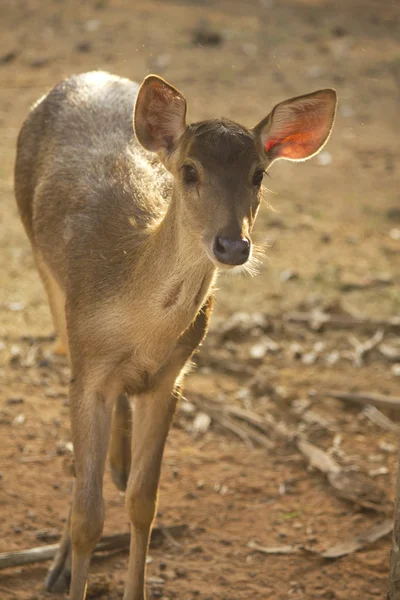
[
  {"x": 298, "y": 128},
  {"x": 159, "y": 114}
]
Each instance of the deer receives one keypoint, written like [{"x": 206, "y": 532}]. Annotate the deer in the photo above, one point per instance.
[{"x": 131, "y": 213}]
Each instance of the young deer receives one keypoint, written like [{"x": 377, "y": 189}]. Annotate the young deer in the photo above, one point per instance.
[{"x": 129, "y": 226}]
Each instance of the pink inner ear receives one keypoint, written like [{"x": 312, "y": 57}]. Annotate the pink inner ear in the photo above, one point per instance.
[
  {"x": 270, "y": 143},
  {"x": 299, "y": 128},
  {"x": 297, "y": 144}
]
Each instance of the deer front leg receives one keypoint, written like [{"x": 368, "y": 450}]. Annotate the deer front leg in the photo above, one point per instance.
[
  {"x": 151, "y": 422},
  {"x": 91, "y": 411},
  {"x": 152, "y": 417}
]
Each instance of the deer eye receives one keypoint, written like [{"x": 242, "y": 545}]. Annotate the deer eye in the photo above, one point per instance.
[
  {"x": 189, "y": 174},
  {"x": 258, "y": 177}
]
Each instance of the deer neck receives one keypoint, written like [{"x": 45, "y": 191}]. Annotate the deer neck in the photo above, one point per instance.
[{"x": 182, "y": 274}]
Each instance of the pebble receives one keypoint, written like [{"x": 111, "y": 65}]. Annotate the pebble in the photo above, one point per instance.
[
  {"x": 396, "y": 370},
  {"x": 19, "y": 419}
]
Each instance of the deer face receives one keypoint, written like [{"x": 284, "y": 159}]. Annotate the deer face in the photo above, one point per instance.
[{"x": 218, "y": 165}]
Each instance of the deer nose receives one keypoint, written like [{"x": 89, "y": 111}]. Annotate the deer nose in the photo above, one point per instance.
[{"x": 231, "y": 252}]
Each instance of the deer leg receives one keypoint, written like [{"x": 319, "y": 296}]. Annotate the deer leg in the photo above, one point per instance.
[
  {"x": 152, "y": 419},
  {"x": 91, "y": 412},
  {"x": 59, "y": 574},
  {"x": 153, "y": 413},
  {"x": 56, "y": 299},
  {"x": 120, "y": 443}
]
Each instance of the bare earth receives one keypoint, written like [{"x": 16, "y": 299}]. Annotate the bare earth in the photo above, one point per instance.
[{"x": 333, "y": 232}]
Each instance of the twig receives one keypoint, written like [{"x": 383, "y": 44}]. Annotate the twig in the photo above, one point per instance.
[
  {"x": 224, "y": 415},
  {"x": 106, "y": 544},
  {"x": 363, "y": 398},
  {"x": 316, "y": 319},
  {"x": 319, "y": 459},
  {"x": 376, "y": 416},
  {"x": 226, "y": 366},
  {"x": 274, "y": 549},
  {"x": 361, "y": 349},
  {"x": 44, "y": 458}
]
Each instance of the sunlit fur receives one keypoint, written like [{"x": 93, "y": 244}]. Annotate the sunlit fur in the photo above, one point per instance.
[{"x": 125, "y": 247}]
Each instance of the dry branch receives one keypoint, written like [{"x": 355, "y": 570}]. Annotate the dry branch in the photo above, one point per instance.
[
  {"x": 376, "y": 416},
  {"x": 363, "y": 398},
  {"x": 224, "y": 415},
  {"x": 107, "y": 543},
  {"x": 251, "y": 427},
  {"x": 371, "y": 535},
  {"x": 274, "y": 549},
  {"x": 316, "y": 319},
  {"x": 343, "y": 548}
]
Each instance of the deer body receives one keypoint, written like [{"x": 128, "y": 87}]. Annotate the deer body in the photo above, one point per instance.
[{"x": 128, "y": 231}]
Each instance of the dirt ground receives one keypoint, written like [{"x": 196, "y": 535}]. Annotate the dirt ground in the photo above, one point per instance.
[{"x": 333, "y": 231}]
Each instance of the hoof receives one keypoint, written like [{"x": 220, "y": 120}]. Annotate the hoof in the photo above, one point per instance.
[{"x": 59, "y": 575}]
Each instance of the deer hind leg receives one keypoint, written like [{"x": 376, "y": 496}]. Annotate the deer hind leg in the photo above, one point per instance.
[
  {"x": 56, "y": 299},
  {"x": 120, "y": 443},
  {"x": 91, "y": 414},
  {"x": 59, "y": 574}
]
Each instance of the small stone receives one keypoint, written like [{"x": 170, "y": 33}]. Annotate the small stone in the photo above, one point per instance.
[
  {"x": 201, "y": 423},
  {"x": 16, "y": 306},
  {"x": 309, "y": 358},
  {"x": 396, "y": 370},
  {"x": 19, "y": 419}
]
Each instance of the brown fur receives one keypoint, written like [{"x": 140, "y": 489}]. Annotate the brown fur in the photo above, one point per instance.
[{"x": 124, "y": 245}]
